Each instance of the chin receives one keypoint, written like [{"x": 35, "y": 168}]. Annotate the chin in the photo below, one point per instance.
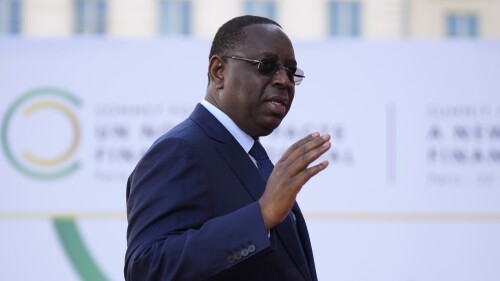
[
  {"x": 267, "y": 133},
  {"x": 270, "y": 128},
  {"x": 266, "y": 126}
]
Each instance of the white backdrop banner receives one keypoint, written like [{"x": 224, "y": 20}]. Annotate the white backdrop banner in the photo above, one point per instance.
[{"x": 412, "y": 193}]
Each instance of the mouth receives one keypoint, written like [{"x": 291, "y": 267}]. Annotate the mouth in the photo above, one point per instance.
[{"x": 278, "y": 105}]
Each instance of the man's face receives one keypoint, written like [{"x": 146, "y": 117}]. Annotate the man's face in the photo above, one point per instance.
[{"x": 255, "y": 102}]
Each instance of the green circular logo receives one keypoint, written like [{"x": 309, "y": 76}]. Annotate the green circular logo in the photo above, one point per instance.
[{"x": 35, "y": 116}]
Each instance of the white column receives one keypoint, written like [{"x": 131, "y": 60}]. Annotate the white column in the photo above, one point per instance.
[
  {"x": 133, "y": 18},
  {"x": 47, "y": 18}
]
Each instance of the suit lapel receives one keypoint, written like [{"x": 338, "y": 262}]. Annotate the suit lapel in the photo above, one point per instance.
[
  {"x": 287, "y": 233},
  {"x": 251, "y": 179},
  {"x": 306, "y": 242},
  {"x": 245, "y": 170},
  {"x": 232, "y": 152}
]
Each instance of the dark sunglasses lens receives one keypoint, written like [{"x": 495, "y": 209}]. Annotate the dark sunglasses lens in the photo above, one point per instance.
[
  {"x": 290, "y": 72},
  {"x": 268, "y": 67},
  {"x": 298, "y": 76}
]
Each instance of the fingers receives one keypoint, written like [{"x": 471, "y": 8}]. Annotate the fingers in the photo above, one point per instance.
[
  {"x": 300, "y": 155},
  {"x": 305, "y": 175},
  {"x": 289, "y": 175},
  {"x": 298, "y": 144}
]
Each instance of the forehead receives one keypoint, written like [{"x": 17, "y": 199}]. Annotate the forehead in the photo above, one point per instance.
[{"x": 266, "y": 38}]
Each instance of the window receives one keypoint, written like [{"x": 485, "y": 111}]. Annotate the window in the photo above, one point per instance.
[
  {"x": 345, "y": 20},
  {"x": 10, "y": 16},
  {"x": 90, "y": 17},
  {"x": 175, "y": 17},
  {"x": 265, "y": 9},
  {"x": 462, "y": 25}
]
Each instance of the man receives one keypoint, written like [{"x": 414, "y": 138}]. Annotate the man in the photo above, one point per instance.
[{"x": 199, "y": 206}]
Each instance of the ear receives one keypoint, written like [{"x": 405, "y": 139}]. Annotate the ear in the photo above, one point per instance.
[{"x": 216, "y": 71}]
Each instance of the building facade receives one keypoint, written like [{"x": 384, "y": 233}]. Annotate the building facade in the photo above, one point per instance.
[{"x": 312, "y": 19}]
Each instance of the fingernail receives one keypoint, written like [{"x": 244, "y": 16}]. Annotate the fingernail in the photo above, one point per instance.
[
  {"x": 315, "y": 134},
  {"x": 326, "y": 136}
]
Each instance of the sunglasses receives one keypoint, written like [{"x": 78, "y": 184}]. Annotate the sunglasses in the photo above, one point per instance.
[{"x": 270, "y": 67}]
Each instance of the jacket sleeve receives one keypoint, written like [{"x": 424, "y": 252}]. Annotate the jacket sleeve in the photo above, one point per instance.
[{"x": 172, "y": 233}]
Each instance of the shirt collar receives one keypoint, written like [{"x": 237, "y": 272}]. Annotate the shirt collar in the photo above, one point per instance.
[{"x": 241, "y": 137}]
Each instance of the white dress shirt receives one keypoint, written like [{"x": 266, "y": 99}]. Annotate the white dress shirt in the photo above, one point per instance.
[{"x": 241, "y": 137}]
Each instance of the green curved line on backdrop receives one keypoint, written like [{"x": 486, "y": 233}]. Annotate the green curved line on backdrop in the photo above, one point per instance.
[{"x": 76, "y": 251}]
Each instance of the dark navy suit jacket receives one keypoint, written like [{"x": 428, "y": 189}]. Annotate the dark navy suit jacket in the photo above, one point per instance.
[{"x": 193, "y": 213}]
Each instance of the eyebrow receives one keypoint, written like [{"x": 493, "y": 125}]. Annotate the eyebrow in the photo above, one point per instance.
[{"x": 291, "y": 62}]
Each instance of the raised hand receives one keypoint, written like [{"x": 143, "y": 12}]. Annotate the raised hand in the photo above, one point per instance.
[{"x": 289, "y": 175}]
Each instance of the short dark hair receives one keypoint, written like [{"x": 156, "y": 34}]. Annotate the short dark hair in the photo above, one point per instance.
[{"x": 232, "y": 32}]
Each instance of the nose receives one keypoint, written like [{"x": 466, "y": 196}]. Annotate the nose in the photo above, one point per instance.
[{"x": 280, "y": 79}]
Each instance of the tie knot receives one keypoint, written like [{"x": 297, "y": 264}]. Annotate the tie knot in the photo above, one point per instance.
[{"x": 258, "y": 152}]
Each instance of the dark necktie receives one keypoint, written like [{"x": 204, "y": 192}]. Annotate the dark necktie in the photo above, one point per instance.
[{"x": 264, "y": 165}]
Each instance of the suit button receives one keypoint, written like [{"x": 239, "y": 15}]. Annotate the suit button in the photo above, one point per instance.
[
  {"x": 244, "y": 252},
  {"x": 237, "y": 256},
  {"x": 251, "y": 248},
  {"x": 230, "y": 259}
]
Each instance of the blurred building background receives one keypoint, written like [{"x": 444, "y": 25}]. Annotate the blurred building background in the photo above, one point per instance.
[
  {"x": 313, "y": 19},
  {"x": 408, "y": 91}
]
